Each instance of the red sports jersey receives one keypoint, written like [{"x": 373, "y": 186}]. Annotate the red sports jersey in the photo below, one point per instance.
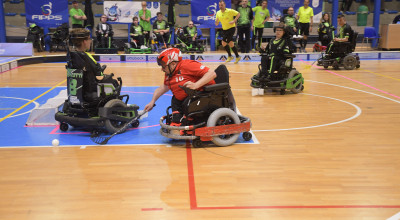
[{"x": 186, "y": 70}]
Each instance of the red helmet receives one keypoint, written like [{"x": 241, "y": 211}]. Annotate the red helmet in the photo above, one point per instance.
[{"x": 169, "y": 55}]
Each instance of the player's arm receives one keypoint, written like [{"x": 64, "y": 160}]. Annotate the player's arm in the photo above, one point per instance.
[
  {"x": 207, "y": 77},
  {"x": 157, "y": 93}
]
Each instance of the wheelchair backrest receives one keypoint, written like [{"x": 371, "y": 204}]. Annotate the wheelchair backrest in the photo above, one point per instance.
[
  {"x": 75, "y": 86},
  {"x": 222, "y": 74}
]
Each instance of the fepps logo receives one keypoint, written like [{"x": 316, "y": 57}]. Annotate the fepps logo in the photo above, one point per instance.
[
  {"x": 211, "y": 12},
  {"x": 46, "y": 13},
  {"x": 223, "y": 58}
]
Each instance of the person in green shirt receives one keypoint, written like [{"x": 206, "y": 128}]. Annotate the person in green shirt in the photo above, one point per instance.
[
  {"x": 161, "y": 30},
  {"x": 145, "y": 15},
  {"x": 77, "y": 16},
  {"x": 228, "y": 18},
  {"x": 290, "y": 21},
  {"x": 261, "y": 15},
  {"x": 136, "y": 33},
  {"x": 342, "y": 40},
  {"x": 305, "y": 17},
  {"x": 244, "y": 24},
  {"x": 190, "y": 33}
]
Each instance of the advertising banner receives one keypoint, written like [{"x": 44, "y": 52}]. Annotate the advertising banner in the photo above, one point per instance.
[
  {"x": 16, "y": 49},
  {"x": 46, "y": 13},
  {"x": 124, "y": 11},
  {"x": 276, "y": 8},
  {"x": 204, "y": 12}
]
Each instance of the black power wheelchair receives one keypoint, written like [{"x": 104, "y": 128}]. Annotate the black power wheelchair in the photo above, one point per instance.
[
  {"x": 59, "y": 37},
  {"x": 209, "y": 115},
  {"x": 184, "y": 45},
  {"x": 341, "y": 55},
  {"x": 286, "y": 77},
  {"x": 94, "y": 110},
  {"x": 36, "y": 37}
]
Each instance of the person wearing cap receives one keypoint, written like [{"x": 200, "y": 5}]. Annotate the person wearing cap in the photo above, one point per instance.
[
  {"x": 273, "y": 55},
  {"x": 77, "y": 15},
  {"x": 178, "y": 72},
  {"x": 145, "y": 15},
  {"x": 228, "y": 18}
]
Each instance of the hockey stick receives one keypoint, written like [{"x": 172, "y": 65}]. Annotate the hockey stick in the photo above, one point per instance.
[{"x": 103, "y": 140}]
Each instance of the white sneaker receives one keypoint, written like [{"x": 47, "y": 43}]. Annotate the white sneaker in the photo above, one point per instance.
[{"x": 143, "y": 47}]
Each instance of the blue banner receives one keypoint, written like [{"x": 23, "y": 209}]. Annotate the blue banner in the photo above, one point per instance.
[
  {"x": 204, "y": 12},
  {"x": 46, "y": 13},
  {"x": 276, "y": 8}
]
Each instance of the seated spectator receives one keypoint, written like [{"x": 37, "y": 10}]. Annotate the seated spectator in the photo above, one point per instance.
[
  {"x": 104, "y": 33},
  {"x": 161, "y": 30},
  {"x": 137, "y": 34},
  {"x": 190, "y": 33}
]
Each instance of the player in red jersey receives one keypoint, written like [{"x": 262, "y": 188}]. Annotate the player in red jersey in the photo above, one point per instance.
[{"x": 178, "y": 72}]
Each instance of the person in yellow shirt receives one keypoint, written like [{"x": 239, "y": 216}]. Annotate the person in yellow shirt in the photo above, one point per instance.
[
  {"x": 228, "y": 18},
  {"x": 305, "y": 17}
]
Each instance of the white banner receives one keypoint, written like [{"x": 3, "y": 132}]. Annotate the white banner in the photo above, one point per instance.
[{"x": 123, "y": 11}]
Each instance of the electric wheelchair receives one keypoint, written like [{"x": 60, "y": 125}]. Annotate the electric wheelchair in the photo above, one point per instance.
[
  {"x": 286, "y": 77},
  {"x": 341, "y": 55},
  {"x": 184, "y": 44},
  {"x": 209, "y": 115},
  {"x": 99, "y": 110}
]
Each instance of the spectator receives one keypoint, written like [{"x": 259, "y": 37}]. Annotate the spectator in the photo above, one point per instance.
[
  {"x": 244, "y": 25},
  {"x": 77, "y": 15}
]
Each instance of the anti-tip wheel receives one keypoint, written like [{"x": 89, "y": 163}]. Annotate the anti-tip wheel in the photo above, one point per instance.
[
  {"x": 64, "y": 126},
  {"x": 135, "y": 124},
  {"x": 247, "y": 136},
  {"x": 197, "y": 143}
]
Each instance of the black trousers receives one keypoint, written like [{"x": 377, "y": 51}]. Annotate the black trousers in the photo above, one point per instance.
[
  {"x": 139, "y": 41},
  {"x": 244, "y": 38},
  {"x": 258, "y": 32},
  {"x": 163, "y": 38},
  {"x": 176, "y": 106}
]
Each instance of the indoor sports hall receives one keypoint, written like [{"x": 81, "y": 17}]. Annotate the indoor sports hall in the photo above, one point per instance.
[{"x": 330, "y": 151}]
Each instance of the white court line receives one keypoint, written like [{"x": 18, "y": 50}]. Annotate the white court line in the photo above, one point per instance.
[
  {"x": 358, "y": 113},
  {"x": 395, "y": 217},
  {"x": 23, "y": 113},
  {"x": 359, "y": 90}
]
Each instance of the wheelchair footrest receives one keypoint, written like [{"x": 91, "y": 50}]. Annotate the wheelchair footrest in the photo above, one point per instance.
[{"x": 206, "y": 133}]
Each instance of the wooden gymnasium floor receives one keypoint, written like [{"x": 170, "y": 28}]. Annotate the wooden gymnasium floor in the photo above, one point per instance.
[{"x": 331, "y": 152}]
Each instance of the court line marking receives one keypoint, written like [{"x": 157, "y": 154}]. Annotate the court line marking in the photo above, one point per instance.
[
  {"x": 16, "y": 110},
  {"x": 380, "y": 74},
  {"x": 395, "y": 217},
  {"x": 194, "y": 205},
  {"x": 358, "y": 113},
  {"x": 35, "y": 103},
  {"x": 356, "y": 81}
]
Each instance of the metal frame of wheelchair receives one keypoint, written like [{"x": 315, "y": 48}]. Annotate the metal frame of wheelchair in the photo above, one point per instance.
[
  {"x": 285, "y": 78},
  {"x": 208, "y": 115},
  {"x": 108, "y": 111}
]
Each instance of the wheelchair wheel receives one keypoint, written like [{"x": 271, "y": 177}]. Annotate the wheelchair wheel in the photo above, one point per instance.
[
  {"x": 64, "y": 126},
  {"x": 299, "y": 87},
  {"x": 223, "y": 116},
  {"x": 349, "y": 62},
  {"x": 113, "y": 126}
]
